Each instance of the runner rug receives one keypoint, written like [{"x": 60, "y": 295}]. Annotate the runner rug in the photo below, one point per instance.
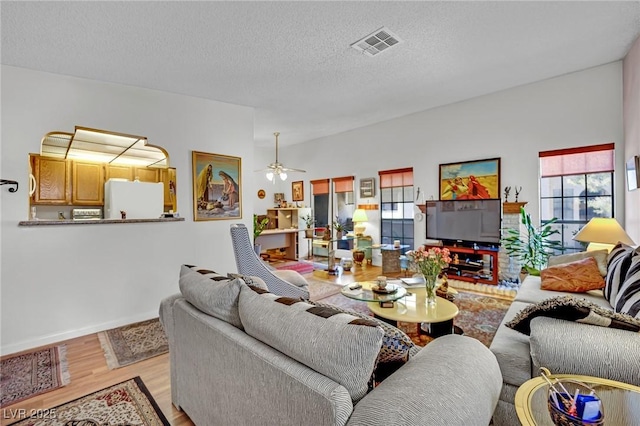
[
  {"x": 30, "y": 374},
  {"x": 127, "y": 403},
  {"x": 479, "y": 317},
  {"x": 133, "y": 343}
]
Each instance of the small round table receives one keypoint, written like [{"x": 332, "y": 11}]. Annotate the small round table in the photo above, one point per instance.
[
  {"x": 620, "y": 401},
  {"x": 366, "y": 294}
]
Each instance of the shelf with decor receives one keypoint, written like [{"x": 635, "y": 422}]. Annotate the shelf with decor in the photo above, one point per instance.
[{"x": 471, "y": 264}]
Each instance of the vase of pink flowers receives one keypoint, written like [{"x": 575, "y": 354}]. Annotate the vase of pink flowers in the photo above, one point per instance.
[{"x": 430, "y": 262}]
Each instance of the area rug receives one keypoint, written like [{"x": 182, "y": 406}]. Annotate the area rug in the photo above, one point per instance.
[
  {"x": 127, "y": 403},
  {"x": 300, "y": 267},
  {"x": 30, "y": 374},
  {"x": 479, "y": 317},
  {"x": 319, "y": 289},
  {"x": 133, "y": 343}
]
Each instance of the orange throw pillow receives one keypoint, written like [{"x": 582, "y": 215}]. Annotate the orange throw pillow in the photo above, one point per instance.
[{"x": 574, "y": 277}]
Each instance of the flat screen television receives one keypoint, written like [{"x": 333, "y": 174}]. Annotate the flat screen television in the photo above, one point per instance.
[{"x": 465, "y": 222}]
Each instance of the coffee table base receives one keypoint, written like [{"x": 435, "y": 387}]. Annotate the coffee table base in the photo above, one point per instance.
[{"x": 438, "y": 329}]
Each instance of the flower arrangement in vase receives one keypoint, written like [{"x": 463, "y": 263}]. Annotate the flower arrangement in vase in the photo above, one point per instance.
[{"x": 430, "y": 262}]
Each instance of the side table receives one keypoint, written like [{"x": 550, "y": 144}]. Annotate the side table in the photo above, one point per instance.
[
  {"x": 391, "y": 258},
  {"x": 620, "y": 401}
]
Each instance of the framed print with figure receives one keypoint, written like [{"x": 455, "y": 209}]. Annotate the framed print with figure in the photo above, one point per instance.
[
  {"x": 633, "y": 173},
  {"x": 216, "y": 186},
  {"x": 470, "y": 180},
  {"x": 297, "y": 191}
]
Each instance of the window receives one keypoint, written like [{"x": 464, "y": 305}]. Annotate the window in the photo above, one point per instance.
[
  {"x": 320, "y": 202},
  {"x": 396, "y": 204},
  {"x": 343, "y": 205},
  {"x": 576, "y": 185}
]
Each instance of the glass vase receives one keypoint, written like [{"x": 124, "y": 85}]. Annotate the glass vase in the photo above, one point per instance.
[{"x": 431, "y": 284}]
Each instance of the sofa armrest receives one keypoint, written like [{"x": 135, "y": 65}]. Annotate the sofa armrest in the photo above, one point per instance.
[
  {"x": 453, "y": 380},
  {"x": 566, "y": 347}
]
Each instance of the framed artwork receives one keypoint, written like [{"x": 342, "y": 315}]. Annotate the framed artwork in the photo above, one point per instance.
[
  {"x": 633, "y": 173},
  {"x": 278, "y": 198},
  {"x": 470, "y": 180},
  {"x": 216, "y": 186},
  {"x": 297, "y": 191},
  {"x": 261, "y": 194},
  {"x": 367, "y": 188}
]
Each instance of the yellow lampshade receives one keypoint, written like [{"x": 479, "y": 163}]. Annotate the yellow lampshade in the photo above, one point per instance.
[
  {"x": 359, "y": 217},
  {"x": 601, "y": 233}
]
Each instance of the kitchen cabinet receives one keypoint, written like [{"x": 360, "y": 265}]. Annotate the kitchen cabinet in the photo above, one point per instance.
[
  {"x": 146, "y": 174},
  {"x": 114, "y": 171},
  {"x": 53, "y": 177},
  {"x": 168, "y": 179},
  {"x": 87, "y": 187}
]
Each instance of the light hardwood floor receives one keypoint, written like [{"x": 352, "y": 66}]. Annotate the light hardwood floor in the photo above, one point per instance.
[{"x": 89, "y": 371}]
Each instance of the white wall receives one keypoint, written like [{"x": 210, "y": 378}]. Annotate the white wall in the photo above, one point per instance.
[
  {"x": 64, "y": 281},
  {"x": 631, "y": 84},
  {"x": 582, "y": 108}
]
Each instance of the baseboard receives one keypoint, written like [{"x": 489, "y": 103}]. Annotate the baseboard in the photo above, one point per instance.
[{"x": 59, "y": 337}]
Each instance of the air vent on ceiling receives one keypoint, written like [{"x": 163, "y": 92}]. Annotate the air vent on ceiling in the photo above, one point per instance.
[{"x": 376, "y": 42}]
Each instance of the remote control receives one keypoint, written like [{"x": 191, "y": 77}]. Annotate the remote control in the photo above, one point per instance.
[{"x": 355, "y": 286}]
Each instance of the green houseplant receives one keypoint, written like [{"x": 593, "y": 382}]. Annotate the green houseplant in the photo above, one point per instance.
[
  {"x": 308, "y": 221},
  {"x": 339, "y": 227},
  {"x": 534, "y": 246},
  {"x": 258, "y": 227}
]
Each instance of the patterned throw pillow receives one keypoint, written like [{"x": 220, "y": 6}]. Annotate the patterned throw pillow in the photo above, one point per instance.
[
  {"x": 575, "y": 277},
  {"x": 617, "y": 266},
  {"x": 338, "y": 345},
  {"x": 628, "y": 298},
  {"x": 571, "y": 308},
  {"x": 250, "y": 280}
]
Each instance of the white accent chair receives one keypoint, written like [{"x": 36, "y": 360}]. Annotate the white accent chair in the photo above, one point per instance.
[{"x": 283, "y": 283}]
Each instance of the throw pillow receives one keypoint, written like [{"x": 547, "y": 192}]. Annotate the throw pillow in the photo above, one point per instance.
[
  {"x": 292, "y": 277},
  {"x": 617, "y": 267},
  {"x": 250, "y": 280},
  {"x": 628, "y": 298},
  {"x": 599, "y": 255},
  {"x": 338, "y": 345},
  {"x": 575, "y": 277},
  {"x": 396, "y": 345},
  {"x": 212, "y": 293},
  {"x": 570, "y": 308}
]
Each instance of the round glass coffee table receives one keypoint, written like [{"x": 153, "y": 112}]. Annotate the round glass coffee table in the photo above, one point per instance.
[
  {"x": 366, "y": 294},
  {"x": 435, "y": 320},
  {"x": 620, "y": 401}
]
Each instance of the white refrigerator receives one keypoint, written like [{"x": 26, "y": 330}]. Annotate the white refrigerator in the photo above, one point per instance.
[{"x": 140, "y": 200}]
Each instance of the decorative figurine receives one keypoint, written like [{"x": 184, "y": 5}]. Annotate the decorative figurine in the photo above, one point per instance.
[
  {"x": 507, "y": 189},
  {"x": 518, "y": 193}
]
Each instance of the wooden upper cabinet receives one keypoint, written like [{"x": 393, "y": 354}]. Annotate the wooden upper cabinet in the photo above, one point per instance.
[
  {"x": 146, "y": 174},
  {"x": 52, "y": 180},
  {"x": 118, "y": 172},
  {"x": 88, "y": 184}
]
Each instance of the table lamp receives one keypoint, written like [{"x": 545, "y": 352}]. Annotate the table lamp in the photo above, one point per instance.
[
  {"x": 359, "y": 217},
  {"x": 603, "y": 233}
]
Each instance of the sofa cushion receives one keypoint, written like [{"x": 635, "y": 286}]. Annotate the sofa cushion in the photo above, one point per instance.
[
  {"x": 212, "y": 293},
  {"x": 396, "y": 345},
  {"x": 599, "y": 255},
  {"x": 292, "y": 277},
  {"x": 572, "y": 309},
  {"x": 250, "y": 280},
  {"x": 337, "y": 345},
  {"x": 628, "y": 299},
  {"x": 617, "y": 266},
  {"x": 530, "y": 291},
  {"x": 578, "y": 276}
]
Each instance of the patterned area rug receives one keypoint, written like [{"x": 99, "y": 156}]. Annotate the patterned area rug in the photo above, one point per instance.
[
  {"x": 319, "y": 289},
  {"x": 479, "y": 317},
  {"x": 300, "y": 267},
  {"x": 27, "y": 375},
  {"x": 127, "y": 403},
  {"x": 133, "y": 343}
]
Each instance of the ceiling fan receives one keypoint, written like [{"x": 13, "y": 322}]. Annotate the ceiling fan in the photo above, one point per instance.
[{"x": 276, "y": 168}]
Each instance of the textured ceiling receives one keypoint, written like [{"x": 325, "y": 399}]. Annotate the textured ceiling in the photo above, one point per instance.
[{"x": 292, "y": 60}]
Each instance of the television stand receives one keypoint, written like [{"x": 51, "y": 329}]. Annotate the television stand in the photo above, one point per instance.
[{"x": 467, "y": 264}]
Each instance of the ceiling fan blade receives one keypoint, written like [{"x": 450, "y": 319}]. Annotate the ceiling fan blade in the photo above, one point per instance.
[{"x": 289, "y": 169}]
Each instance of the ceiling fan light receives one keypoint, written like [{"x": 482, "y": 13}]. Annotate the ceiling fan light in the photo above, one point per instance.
[
  {"x": 269, "y": 175},
  {"x": 283, "y": 176}
]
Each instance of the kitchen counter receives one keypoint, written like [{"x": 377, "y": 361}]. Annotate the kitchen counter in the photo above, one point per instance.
[{"x": 95, "y": 222}]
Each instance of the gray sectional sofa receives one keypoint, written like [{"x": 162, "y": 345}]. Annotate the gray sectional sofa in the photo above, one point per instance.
[
  {"x": 226, "y": 369},
  {"x": 561, "y": 346}
]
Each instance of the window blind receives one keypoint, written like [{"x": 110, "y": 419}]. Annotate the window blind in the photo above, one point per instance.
[
  {"x": 320, "y": 186},
  {"x": 395, "y": 178},
  {"x": 575, "y": 161},
  {"x": 343, "y": 184}
]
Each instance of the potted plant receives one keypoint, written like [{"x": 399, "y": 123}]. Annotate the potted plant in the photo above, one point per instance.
[
  {"x": 533, "y": 247},
  {"x": 308, "y": 221},
  {"x": 339, "y": 227},
  {"x": 258, "y": 227}
]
